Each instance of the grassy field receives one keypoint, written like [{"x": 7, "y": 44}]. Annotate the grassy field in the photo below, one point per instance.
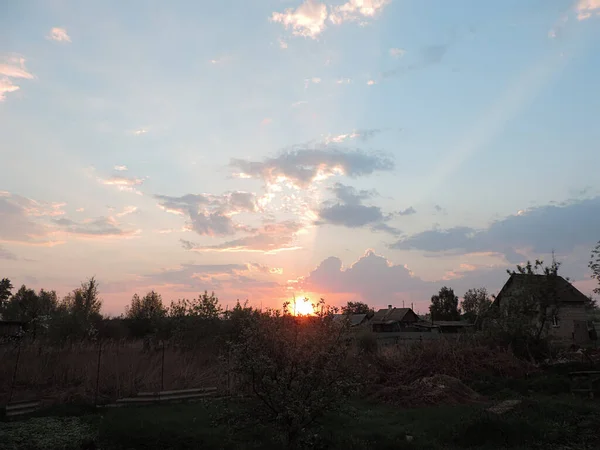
[{"x": 560, "y": 422}]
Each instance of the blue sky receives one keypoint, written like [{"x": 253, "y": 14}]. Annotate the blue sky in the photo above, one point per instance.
[{"x": 354, "y": 150}]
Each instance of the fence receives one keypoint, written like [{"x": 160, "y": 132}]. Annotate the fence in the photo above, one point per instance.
[{"x": 101, "y": 373}]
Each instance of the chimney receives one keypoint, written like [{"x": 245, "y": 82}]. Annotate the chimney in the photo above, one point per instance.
[{"x": 389, "y": 306}]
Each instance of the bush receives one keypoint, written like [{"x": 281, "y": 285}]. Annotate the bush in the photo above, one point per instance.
[{"x": 297, "y": 367}]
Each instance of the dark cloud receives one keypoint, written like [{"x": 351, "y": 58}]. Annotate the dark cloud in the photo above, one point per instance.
[
  {"x": 271, "y": 238},
  {"x": 349, "y": 211},
  {"x": 302, "y": 165},
  {"x": 210, "y": 215},
  {"x": 351, "y": 216},
  {"x": 5, "y": 254},
  {"x": 349, "y": 195},
  {"x": 542, "y": 229}
]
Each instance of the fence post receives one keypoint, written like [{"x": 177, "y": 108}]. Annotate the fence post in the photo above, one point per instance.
[
  {"x": 98, "y": 373},
  {"x": 162, "y": 373},
  {"x": 14, "y": 377}
]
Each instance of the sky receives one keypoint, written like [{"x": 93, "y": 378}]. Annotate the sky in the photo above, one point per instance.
[{"x": 351, "y": 150}]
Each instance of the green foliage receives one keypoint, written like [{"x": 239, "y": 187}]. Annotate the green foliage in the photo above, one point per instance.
[
  {"x": 358, "y": 308},
  {"x": 36, "y": 309},
  {"x": 297, "y": 367},
  {"x": 475, "y": 303},
  {"x": 444, "y": 305}
]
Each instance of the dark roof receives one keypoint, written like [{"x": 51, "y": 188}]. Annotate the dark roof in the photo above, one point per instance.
[
  {"x": 566, "y": 292},
  {"x": 355, "y": 319},
  {"x": 443, "y": 323},
  {"x": 391, "y": 315}
]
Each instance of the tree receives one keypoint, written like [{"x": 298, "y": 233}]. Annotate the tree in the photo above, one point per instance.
[
  {"x": 444, "y": 305},
  {"x": 594, "y": 265},
  {"x": 206, "y": 306},
  {"x": 296, "y": 367},
  {"x": 145, "y": 314},
  {"x": 358, "y": 308},
  {"x": 80, "y": 311},
  {"x": 34, "y": 308},
  {"x": 5, "y": 291},
  {"x": 475, "y": 303}
]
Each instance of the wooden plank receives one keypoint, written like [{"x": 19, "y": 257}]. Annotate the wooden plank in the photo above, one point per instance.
[{"x": 176, "y": 392}]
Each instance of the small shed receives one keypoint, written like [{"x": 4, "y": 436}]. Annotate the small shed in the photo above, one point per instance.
[{"x": 354, "y": 319}]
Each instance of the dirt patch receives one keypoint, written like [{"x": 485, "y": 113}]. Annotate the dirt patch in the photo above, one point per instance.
[{"x": 428, "y": 391}]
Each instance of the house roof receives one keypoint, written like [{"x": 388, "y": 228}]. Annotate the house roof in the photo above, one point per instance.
[
  {"x": 443, "y": 323},
  {"x": 355, "y": 319},
  {"x": 388, "y": 315},
  {"x": 566, "y": 292}
]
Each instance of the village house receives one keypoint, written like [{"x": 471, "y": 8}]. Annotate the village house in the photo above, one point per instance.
[
  {"x": 354, "y": 320},
  {"x": 393, "y": 319},
  {"x": 565, "y": 317}
]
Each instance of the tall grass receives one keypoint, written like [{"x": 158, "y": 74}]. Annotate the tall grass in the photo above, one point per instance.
[{"x": 69, "y": 373}]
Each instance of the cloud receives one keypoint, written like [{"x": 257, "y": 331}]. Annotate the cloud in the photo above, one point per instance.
[
  {"x": 541, "y": 229},
  {"x": 211, "y": 215},
  {"x": 5, "y": 254},
  {"x": 123, "y": 183},
  {"x": 127, "y": 210},
  {"x": 59, "y": 35},
  {"x": 371, "y": 82},
  {"x": 372, "y": 277},
  {"x": 349, "y": 211},
  {"x": 407, "y": 212},
  {"x": 351, "y": 216},
  {"x": 397, "y": 52},
  {"x": 266, "y": 121},
  {"x": 271, "y": 238},
  {"x": 12, "y": 67},
  {"x": 302, "y": 166},
  {"x": 282, "y": 44},
  {"x": 101, "y": 227},
  {"x": 355, "y": 10},
  {"x": 6, "y": 86},
  {"x": 429, "y": 56},
  {"x": 308, "y": 20},
  {"x": 299, "y": 103},
  {"x": 349, "y": 195},
  {"x": 140, "y": 131},
  {"x": 343, "y": 81},
  {"x": 20, "y": 220},
  {"x": 586, "y": 8},
  {"x": 363, "y": 135},
  {"x": 121, "y": 168}
]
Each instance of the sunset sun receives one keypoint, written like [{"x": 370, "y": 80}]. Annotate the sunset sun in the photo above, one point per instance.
[{"x": 303, "y": 306}]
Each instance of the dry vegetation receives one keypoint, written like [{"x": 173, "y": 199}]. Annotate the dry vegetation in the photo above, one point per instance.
[{"x": 68, "y": 373}]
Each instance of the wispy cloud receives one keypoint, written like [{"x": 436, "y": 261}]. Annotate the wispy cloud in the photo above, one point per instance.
[
  {"x": 271, "y": 238},
  {"x": 120, "y": 168},
  {"x": 307, "y": 20},
  {"x": 127, "y": 210},
  {"x": 343, "y": 81},
  {"x": 397, "y": 52},
  {"x": 98, "y": 228},
  {"x": 59, "y": 35},
  {"x": 5, "y": 254},
  {"x": 363, "y": 135},
  {"x": 299, "y": 103},
  {"x": 12, "y": 67},
  {"x": 371, "y": 82},
  {"x": 587, "y": 8},
  {"x": 140, "y": 131},
  {"x": 123, "y": 183}
]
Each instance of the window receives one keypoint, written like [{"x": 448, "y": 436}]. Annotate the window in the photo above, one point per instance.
[{"x": 555, "y": 321}]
